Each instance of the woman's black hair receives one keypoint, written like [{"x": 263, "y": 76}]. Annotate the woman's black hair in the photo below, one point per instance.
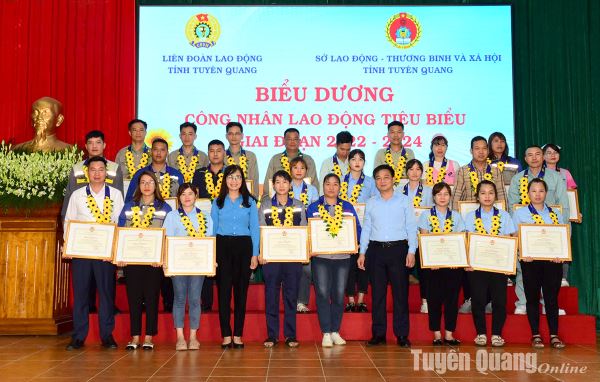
[{"x": 246, "y": 196}]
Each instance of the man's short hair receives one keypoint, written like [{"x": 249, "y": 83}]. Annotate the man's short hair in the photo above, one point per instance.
[
  {"x": 233, "y": 124},
  {"x": 291, "y": 130},
  {"x": 477, "y": 139},
  {"x": 160, "y": 140},
  {"x": 343, "y": 137},
  {"x": 395, "y": 123},
  {"x": 216, "y": 142},
  {"x": 383, "y": 167},
  {"x": 94, "y": 134},
  {"x": 96, "y": 159},
  {"x": 134, "y": 121},
  {"x": 188, "y": 124}
]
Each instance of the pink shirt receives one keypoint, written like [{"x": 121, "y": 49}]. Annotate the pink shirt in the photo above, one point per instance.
[{"x": 566, "y": 174}]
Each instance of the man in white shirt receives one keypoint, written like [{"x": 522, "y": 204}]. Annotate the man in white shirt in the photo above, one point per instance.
[{"x": 88, "y": 204}]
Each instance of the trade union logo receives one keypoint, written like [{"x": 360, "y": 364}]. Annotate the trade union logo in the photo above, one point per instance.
[
  {"x": 403, "y": 30},
  {"x": 202, "y": 30}
]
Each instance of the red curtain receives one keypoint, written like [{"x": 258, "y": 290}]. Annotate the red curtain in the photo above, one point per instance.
[{"x": 81, "y": 52}]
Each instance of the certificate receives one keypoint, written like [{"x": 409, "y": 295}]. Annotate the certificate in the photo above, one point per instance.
[
  {"x": 141, "y": 246},
  {"x": 360, "y": 209},
  {"x": 545, "y": 242},
  {"x": 204, "y": 205},
  {"x": 465, "y": 207},
  {"x": 87, "y": 240},
  {"x": 574, "y": 212},
  {"x": 284, "y": 244},
  {"x": 556, "y": 207},
  {"x": 443, "y": 250},
  {"x": 190, "y": 256},
  {"x": 172, "y": 202},
  {"x": 321, "y": 242},
  {"x": 250, "y": 185},
  {"x": 493, "y": 253}
]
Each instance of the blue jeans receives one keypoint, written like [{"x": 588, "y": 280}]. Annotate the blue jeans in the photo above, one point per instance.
[
  {"x": 190, "y": 287},
  {"x": 330, "y": 277}
]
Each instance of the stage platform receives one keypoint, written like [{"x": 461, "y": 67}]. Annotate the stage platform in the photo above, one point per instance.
[{"x": 574, "y": 328}]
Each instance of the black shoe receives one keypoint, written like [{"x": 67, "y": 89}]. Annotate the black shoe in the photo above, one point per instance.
[
  {"x": 238, "y": 345},
  {"x": 206, "y": 308},
  {"x": 362, "y": 308},
  {"x": 116, "y": 310},
  {"x": 375, "y": 341},
  {"x": 350, "y": 307},
  {"x": 93, "y": 309},
  {"x": 109, "y": 343},
  {"x": 437, "y": 342},
  {"x": 452, "y": 342},
  {"x": 122, "y": 280},
  {"x": 403, "y": 342},
  {"x": 168, "y": 308},
  {"x": 74, "y": 344}
]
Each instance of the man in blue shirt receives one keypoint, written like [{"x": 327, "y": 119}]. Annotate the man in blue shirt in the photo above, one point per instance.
[{"x": 388, "y": 243}]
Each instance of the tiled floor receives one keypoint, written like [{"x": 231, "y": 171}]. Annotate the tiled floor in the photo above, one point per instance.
[{"x": 44, "y": 359}]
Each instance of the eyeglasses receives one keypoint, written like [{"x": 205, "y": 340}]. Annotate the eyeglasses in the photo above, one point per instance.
[
  {"x": 148, "y": 183},
  {"x": 234, "y": 177}
]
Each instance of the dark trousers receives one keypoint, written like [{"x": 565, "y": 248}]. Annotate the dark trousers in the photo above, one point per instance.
[
  {"x": 233, "y": 256},
  {"x": 422, "y": 275},
  {"x": 388, "y": 265},
  {"x": 547, "y": 276},
  {"x": 207, "y": 292},
  {"x": 276, "y": 275},
  {"x": 483, "y": 286},
  {"x": 356, "y": 277},
  {"x": 166, "y": 290},
  {"x": 444, "y": 285},
  {"x": 104, "y": 273},
  {"x": 466, "y": 286},
  {"x": 330, "y": 277},
  {"x": 143, "y": 288}
]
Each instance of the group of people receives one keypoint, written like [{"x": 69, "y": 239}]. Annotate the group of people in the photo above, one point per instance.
[{"x": 292, "y": 192}]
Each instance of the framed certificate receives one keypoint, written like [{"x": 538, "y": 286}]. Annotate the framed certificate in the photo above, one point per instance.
[
  {"x": 204, "y": 204},
  {"x": 172, "y": 202},
  {"x": 87, "y": 240},
  {"x": 545, "y": 242},
  {"x": 496, "y": 254},
  {"x": 465, "y": 207},
  {"x": 250, "y": 185},
  {"x": 574, "y": 212},
  {"x": 284, "y": 244},
  {"x": 554, "y": 207},
  {"x": 321, "y": 242},
  {"x": 190, "y": 256},
  {"x": 142, "y": 246},
  {"x": 360, "y": 209},
  {"x": 443, "y": 250}
]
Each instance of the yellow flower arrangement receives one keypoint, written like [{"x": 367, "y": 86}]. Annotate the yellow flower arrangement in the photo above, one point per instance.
[
  {"x": 289, "y": 216},
  {"x": 189, "y": 227},
  {"x": 435, "y": 224},
  {"x": 131, "y": 167},
  {"x": 523, "y": 185},
  {"x": 356, "y": 190},
  {"x": 429, "y": 174},
  {"x": 103, "y": 217},
  {"x": 399, "y": 168},
  {"x": 187, "y": 170},
  {"x": 285, "y": 163},
  {"x": 137, "y": 222},
  {"x": 494, "y": 230},
  {"x": 213, "y": 191},
  {"x": 333, "y": 223},
  {"x": 165, "y": 187},
  {"x": 475, "y": 178}
]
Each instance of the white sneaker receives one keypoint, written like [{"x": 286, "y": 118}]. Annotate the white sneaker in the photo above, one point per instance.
[
  {"x": 520, "y": 310},
  {"x": 488, "y": 308},
  {"x": 466, "y": 307},
  {"x": 327, "y": 342},
  {"x": 337, "y": 339},
  {"x": 424, "y": 308},
  {"x": 564, "y": 283},
  {"x": 509, "y": 282},
  {"x": 561, "y": 312},
  {"x": 301, "y": 308}
]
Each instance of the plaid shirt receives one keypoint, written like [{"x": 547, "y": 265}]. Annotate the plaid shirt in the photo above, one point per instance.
[{"x": 463, "y": 191}]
